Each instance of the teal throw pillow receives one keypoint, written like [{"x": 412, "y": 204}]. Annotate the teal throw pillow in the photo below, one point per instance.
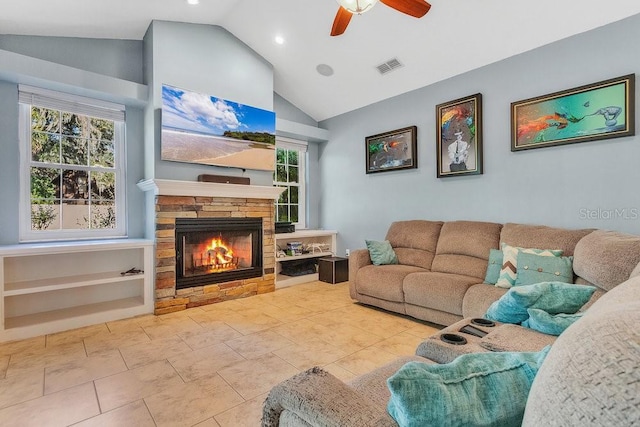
[
  {"x": 552, "y": 297},
  {"x": 488, "y": 389},
  {"x": 494, "y": 266},
  {"x": 381, "y": 253},
  {"x": 549, "y": 324},
  {"x": 509, "y": 270},
  {"x": 534, "y": 268}
]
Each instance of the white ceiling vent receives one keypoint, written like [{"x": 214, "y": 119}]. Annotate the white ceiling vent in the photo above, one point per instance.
[{"x": 390, "y": 65}]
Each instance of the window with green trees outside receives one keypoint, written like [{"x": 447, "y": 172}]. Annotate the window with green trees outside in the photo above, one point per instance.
[
  {"x": 290, "y": 174},
  {"x": 71, "y": 174}
]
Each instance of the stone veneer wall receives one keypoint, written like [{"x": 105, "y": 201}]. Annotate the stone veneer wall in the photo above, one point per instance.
[{"x": 168, "y": 208}]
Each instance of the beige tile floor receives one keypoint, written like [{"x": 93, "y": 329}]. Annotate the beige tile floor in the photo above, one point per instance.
[{"x": 210, "y": 366}]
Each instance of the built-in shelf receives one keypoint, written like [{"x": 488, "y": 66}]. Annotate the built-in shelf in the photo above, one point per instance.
[
  {"x": 304, "y": 256},
  {"x": 64, "y": 315},
  {"x": 57, "y": 283},
  {"x": 306, "y": 237},
  {"x": 48, "y": 288}
]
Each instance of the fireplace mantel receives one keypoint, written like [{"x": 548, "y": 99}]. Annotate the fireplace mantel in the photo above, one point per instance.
[{"x": 168, "y": 187}]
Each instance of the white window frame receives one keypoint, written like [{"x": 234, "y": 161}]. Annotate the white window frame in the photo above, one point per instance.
[
  {"x": 301, "y": 147},
  {"x": 32, "y": 96}
]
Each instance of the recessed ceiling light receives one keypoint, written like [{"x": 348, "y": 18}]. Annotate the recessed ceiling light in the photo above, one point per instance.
[
  {"x": 279, "y": 39},
  {"x": 193, "y": 2},
  {"x": 325, "y": 70}
]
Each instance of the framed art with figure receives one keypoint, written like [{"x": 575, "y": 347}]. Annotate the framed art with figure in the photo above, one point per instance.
[
  {"x": 600, "y": 110},
  {"x": 394, "y": 150},
  {"x": 459, "y": 137}
]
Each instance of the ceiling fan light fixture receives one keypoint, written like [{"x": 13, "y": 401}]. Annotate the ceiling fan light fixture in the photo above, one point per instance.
[{"x": 357, "y": 6}]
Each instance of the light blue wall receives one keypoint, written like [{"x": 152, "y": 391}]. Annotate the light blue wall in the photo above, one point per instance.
[
  {"x": 288, "y": 111},
  {"x": 135, "y": 172},
  {"x": 313, "y": 185},
  {"x": 556, "y": 186},
  {"x": 9, "y": 163},
  {"x": 115, "y": 58},
  {"x": 206, "y": 59}
]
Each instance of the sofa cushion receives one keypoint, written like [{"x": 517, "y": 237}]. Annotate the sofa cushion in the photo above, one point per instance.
[
  {"x": 381, "y": 253},
  {"x": 414, "y": 241},
  {"x": 591, "y": 374},
  {"x": 534, "y": 268},
  {"x": 552, "y": 297},
  {"x": 431, "y": 315},
  {"x": 488, "y": 389},
  {"x": 479, "y": 297},
  {"x": 384, "y": 281},
  {"x": 540, "y": 236},
  {"x": 550, "y": 324},
  {"x": 463, "y": 247},
  {"x": 440, "y": 291},
  {"x": 606, "y": 258}
]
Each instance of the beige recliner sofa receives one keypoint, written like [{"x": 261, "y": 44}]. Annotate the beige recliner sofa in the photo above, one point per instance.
[{"x": 442, "y": 266}]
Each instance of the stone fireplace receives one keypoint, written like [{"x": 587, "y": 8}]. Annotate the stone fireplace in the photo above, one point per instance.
[{"x": 184, "y": 203}]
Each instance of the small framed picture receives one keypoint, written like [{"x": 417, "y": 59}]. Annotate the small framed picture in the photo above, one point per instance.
[
  {"x": 392, "y": 150},
  {"x": 459, "y": 137},
  {"x": 600, "y": 110}
]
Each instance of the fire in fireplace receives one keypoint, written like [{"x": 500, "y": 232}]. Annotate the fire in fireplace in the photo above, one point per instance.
[
  {"x": 215, "y": 250},
  {"x": 210, "y": 258}
]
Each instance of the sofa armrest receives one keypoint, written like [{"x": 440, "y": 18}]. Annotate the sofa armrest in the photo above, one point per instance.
[
  {"x": 320, "y": 399},
  {"x": 358, "y": 259},
  {"x": 508, "y": 337}
]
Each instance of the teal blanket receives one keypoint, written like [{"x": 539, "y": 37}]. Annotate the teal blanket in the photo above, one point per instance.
[{"x": 480, "y": 389}]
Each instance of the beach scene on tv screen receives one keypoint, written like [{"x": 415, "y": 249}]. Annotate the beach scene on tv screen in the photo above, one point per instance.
[{"x": 199, "y": 128}]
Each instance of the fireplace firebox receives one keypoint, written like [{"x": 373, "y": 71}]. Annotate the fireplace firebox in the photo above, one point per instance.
[{"x": 216, "y": 250}]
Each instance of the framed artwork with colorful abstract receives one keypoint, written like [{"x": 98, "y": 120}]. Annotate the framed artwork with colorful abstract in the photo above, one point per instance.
[
  {"x": 600, "y": 110},
  {"x": 459, "y": 137},
  {"x": 397, "y": 149}
]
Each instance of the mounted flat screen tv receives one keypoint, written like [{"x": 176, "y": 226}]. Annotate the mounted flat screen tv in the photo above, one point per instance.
[{"x": 203, "y": 129}]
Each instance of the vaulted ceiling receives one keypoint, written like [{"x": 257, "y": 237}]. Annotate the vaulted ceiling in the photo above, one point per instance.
[{"x": 454, "y": 37}]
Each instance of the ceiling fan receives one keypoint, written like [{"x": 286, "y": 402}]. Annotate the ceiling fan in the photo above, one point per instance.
[{"x": 415, "y": 8}]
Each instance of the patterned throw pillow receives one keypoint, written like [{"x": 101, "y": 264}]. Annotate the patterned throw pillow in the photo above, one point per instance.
[{"x": 509, "y": 269}]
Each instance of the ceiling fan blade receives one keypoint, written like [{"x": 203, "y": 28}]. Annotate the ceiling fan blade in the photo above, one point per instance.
[
  {"x": 341, "y": 21},
  {"x": 415, "y": 8}
]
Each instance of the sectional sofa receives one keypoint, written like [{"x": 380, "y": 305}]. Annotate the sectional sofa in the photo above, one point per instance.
[
  {"x": 442, "y": 265},
  {"x": 591, "y": 375}
]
